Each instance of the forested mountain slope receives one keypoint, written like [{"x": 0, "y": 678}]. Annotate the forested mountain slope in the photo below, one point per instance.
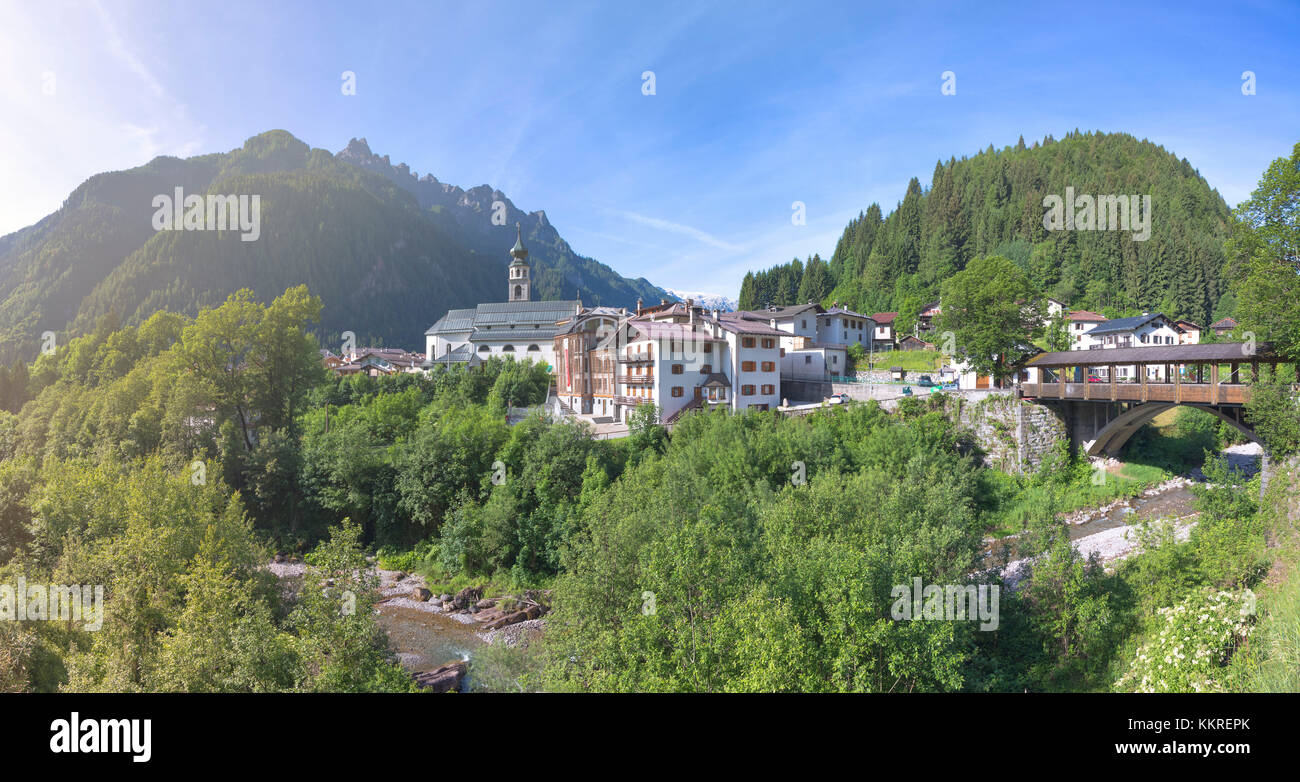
[{"x": 992, "y": 203}]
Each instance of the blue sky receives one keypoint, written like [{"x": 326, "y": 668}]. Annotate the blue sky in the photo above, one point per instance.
[{"x": 756, "y": 105}]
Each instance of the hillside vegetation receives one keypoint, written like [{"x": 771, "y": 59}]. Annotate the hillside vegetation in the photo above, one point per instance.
[{"x": 992, "y": 204}]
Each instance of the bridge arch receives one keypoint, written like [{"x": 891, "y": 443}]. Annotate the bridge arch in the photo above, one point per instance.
[{"x": 1114, "y": 435}]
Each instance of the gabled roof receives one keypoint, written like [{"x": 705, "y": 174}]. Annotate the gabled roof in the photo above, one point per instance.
[
  {"x": 459, "y": 355},
  {"x": 884, "y": 318},
  {"x": 531, "y": 314},
  {"x": 1125, "y": 324},
  {"x": 747, "y": 326},
  {"x": 781, "y": 313},
  {"x": 846, "y": 311},
  {"x": 1222, "y": 352},
  {"x": 658, "y": 329},
  {"x": 1085, "y": 315},
  {"x": 1224, "y": 323},
  {"x": 505, "y": 313}
]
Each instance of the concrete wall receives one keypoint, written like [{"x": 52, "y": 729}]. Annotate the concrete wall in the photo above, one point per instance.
[{"x": 805, "y": 391}]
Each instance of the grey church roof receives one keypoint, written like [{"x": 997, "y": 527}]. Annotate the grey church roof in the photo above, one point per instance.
[
  {"x": 530, "y": 319},
  {"x": 454, "y": 320}
]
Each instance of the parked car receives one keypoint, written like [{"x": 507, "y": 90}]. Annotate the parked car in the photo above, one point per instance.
[
  {"x": 1095, "y": 379},
  {"x": 907, "y": 390},
  {"x": 837, "y": 399},
  {"x": 925, "y": 381}
]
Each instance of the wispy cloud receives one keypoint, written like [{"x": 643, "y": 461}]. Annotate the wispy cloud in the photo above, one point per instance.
[{"x": 681, "y": 229}]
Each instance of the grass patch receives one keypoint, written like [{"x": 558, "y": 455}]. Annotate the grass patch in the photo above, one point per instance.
[
  {"x": 910, "y": 360},
  {"x": 1272, "y": 660},
  {"x": 1020, "y": 499}
]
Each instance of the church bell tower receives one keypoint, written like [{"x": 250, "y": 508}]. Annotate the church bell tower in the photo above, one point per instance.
[{"x": 518, "y": 271}]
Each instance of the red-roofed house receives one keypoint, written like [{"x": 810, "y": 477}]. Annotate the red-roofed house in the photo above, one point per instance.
[
  {"x": 1081, "y": 322},
  {"x": 1189, "y": 333},
  {"x": 1223, "y": 326},
  {"x": 884, "y": 335}
]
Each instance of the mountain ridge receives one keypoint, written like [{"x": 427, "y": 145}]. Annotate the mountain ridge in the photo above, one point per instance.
[{"x": 385, "y": 266}]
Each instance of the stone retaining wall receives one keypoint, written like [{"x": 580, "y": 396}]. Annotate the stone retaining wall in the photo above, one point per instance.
[{"x": 1015, "y": 435}]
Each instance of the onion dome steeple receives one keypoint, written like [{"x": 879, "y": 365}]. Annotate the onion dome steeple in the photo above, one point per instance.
[
  {"x": 518, "y": 272},
  {"x": 519, "y": 252}
]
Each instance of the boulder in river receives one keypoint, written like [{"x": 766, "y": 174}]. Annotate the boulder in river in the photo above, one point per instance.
[
  {"x": 444, "y": 678},
  {"x": 420, "y": 594},
  {"x": 467, "y": 597},
  {"x": 529, "y": 612}
]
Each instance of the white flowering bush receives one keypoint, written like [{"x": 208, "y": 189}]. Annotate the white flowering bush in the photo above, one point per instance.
[{"x": 1197, "y": 638}]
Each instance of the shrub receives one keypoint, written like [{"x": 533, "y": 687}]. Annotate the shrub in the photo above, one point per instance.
[{"x": 1196, "y": 640}]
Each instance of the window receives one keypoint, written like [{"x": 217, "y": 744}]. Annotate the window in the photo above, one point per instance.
[
  {"x": 803, "y": 324},
  {"x": 769, "y": 366},
  {"x": 807, "y": 359},
  {"x": 708, "y": 347},
  {"x": 769, "y": 389},
  {"x": 747, "y": 342},
  {"x": 532, "y": 348},
  {"x": 706, "y": 369},
  {"x": 677, "y": 391},
  {"x": 769, "y": 343},
  {"x": 747, "y": 366},
  {"x": 835, "y": 360},
  {"x": 677, "y": 369},
  {"x": 782, "y": 352},
  {"x": 508, "y": 349},
  {"x": 482, "y": 349},
  {"x": 746, "y": 390}
]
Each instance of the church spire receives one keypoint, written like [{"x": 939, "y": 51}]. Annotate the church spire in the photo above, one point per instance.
[
  {"x": 519, "y": 252},
  {"x": 518, "y": 272}
]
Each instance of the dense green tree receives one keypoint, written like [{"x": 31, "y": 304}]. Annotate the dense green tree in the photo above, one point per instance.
[
  {"x": 1265, "y": 247},
  {"x": 994, "y": 312}
]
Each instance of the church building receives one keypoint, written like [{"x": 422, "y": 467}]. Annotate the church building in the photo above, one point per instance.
[{"x": 517, "y": 327}]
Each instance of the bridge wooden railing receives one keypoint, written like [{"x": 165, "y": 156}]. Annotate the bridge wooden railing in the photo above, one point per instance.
[{"x": 1142, "y": 391}]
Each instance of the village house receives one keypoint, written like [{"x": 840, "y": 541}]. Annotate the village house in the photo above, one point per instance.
[
  {"x": 816, "y": 340},
  {"x": 1223, "y": 326},
  {"x": 1147, "y": 329},
  {"x": 883, "y": 337},
  {"x": 925, "y": 320},
  {"x": 1080, "y": 322},
  {"x": 840, "y": 325},
  {"x": 1189, "y": 332},
  {"x": 587, "y": 360},
  {"x": 707, "y": 358}
]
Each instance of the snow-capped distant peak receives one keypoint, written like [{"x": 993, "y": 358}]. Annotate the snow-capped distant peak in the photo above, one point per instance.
[{"x": 710, "y": 301}]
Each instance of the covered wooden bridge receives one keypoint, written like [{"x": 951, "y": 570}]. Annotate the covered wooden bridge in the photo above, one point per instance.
[{"x": 1110, "y": 393}]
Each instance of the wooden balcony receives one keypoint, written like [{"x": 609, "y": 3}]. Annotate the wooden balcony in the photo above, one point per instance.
[{"x": 637, "y": 380}]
